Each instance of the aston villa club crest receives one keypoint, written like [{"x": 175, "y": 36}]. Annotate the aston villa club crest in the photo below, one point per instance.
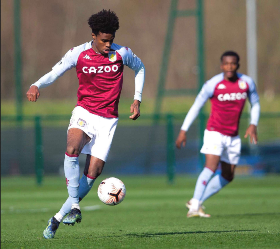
[
  {"x": 242, "y": 84},
  {"x": 81, "y": 122},
  {"x": 112, "y": 56}
]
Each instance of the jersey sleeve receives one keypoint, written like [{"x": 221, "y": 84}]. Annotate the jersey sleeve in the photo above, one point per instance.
[
  {"x": 255, "y": 113},
  {"x": 253, "y": 98},
  {"x": 205, "y": 93},
  {"x": 58, "y": 70},
  {"x": 68, "y": 61},
  {"x": 253, "y": 94},
  {"x": 134, "y": 62}
]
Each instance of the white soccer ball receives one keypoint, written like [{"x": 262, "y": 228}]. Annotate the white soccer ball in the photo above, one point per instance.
[{"x": 111, "y": 191}]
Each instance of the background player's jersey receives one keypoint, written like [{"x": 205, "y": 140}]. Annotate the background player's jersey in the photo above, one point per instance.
[
  {"x": 227, "y": 102},
  {"x": 100, "y": 77}
]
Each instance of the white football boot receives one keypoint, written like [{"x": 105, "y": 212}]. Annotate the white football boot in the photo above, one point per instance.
[{"x": 196, "y": 209}]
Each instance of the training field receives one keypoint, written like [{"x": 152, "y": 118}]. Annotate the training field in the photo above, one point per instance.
[{"x": 244, "y": 215}]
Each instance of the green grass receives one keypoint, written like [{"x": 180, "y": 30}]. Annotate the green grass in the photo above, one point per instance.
[{"x": 244, "y": 215}]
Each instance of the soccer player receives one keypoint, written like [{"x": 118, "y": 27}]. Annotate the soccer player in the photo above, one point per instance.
[
  {"x": 227, "y": 92},
  {"x": 99, "y": 65}
]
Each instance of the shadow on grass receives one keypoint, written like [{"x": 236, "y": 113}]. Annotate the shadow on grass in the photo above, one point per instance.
[{"x": 178, "y": 233}]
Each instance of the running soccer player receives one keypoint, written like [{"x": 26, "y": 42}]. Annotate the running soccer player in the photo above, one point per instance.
[
  {"x": 227, "y": 92},
  {"x": 99, "y": 65}
]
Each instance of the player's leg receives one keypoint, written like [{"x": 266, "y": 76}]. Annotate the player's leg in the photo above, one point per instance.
[
  {"x": 219, "y": 181},
  {"x": 76, "y": 139},
  {"x": 211, "y": 164},
  {"x": 85, "y": 185},
  {"x": 97, "y": 151},
  {"x": 229, "y": 158},
  {"x": 212, "y": 148},
  {"x": 93, "y": 169}
]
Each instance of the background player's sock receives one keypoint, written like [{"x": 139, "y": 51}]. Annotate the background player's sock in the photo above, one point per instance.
[
  {"x": 202, "y": 182},
  {"x": 217, "y": 183},
  {"x": 72, "y": 174},
  {"x": 85, "y": 185}
]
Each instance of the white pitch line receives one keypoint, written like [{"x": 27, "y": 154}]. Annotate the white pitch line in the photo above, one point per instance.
[
  {"x": 91, "y": 208},
  {"x": 43, "y": 210}
]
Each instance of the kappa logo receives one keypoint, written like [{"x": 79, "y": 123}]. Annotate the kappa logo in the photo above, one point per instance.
[
  {"x": 112, "y": 56},
  {"x": 242, "y": 84},
  {"x": 221, "y": 86},
  {"x": 87, "y": 57},
  {"x": 81, "y": 122}
]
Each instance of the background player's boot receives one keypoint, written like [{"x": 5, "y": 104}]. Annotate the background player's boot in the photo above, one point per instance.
[
  {"x": 51, "y": 228},
  {"x": 189, "y": 204},
  {"x": 193, "y": 212},
  {"x": 202, "y": 213},
  {"x": 74, "y": 216}
]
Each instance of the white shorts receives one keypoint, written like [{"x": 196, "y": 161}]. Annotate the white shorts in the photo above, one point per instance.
[
  {"x": 228, "y": 148},
  {"x": 100, "y": 130}
]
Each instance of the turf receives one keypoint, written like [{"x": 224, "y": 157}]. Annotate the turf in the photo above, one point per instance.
[{"x": 244, "y": 215}]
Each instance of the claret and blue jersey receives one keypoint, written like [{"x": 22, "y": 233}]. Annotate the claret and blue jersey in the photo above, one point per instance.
[
  {"x": 100, "y": 82},
  {"x": 227, "y": 101},
  {"x": 100, "y": 76}
]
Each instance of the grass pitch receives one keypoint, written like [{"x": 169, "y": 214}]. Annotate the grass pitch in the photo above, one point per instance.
[{"x": 153, "y": 215}]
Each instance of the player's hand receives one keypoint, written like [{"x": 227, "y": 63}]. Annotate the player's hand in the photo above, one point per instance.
[
  {"x": 135, "y": 109},
  {"x": 181, "y": 139},
  {"x": 252, "y": 133},
  {"x": 33, "y": 93}
]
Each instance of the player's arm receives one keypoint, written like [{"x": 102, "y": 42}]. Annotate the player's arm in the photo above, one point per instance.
[
  {"x": 133, "y": 62},
  {"x": 200, "y": 100},
  {"x": 255, "y": 114},
  {"x": 58, "y": 70}
]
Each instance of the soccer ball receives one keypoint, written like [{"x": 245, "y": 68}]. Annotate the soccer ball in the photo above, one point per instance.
[{"x": 111, "y": 191}]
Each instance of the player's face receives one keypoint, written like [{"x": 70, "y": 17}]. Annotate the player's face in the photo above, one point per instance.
[
  {"x": 229, "y": 66},
  {"x": 102, "y": 42}
]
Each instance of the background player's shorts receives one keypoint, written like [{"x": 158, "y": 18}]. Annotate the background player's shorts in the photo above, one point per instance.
[
  {"x": 228, "y": 148},
  {"x": 100, "y": 130}
]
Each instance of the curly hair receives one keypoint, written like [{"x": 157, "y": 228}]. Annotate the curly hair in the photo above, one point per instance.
[
  {"x": 230, "y": 53},
  {"x": 105, "y": 21}
]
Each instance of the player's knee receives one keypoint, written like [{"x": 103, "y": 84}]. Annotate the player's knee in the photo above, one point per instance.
[{"x": 71, "y": 150}]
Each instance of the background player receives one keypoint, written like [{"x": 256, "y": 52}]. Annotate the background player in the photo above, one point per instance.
[
  {"x": 99, "y": 65},
  {"x": 227, "y": 92}
]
